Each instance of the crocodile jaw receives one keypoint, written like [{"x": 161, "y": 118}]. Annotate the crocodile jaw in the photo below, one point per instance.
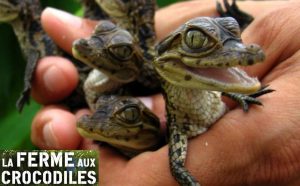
[
  {"x": 230, "y": 79},
  {"x": 215, "y": 72},
  {"x": 149, "y": 140}
]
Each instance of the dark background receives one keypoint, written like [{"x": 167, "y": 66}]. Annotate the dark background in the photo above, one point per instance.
[{"x": 15, "y": 127}]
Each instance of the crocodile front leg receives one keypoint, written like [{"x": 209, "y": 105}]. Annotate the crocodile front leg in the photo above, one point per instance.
[
  {"x": 33, "y": 56},
  {"x": 246, "y": 100},
  {"x": 177, "y": 155}
]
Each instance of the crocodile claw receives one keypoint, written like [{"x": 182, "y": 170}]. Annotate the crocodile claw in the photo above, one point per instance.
[
  {"x": 263, "y": 90},
  {"x": 246, "y": 100},
  {"x": 243, "y": 18}
]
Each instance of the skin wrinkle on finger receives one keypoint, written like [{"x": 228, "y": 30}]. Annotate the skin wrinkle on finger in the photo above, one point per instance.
[
  {"x": 291, "y": 32},
  {"x": 290, "y": 67},
  {"x": 278, "y": 43}
]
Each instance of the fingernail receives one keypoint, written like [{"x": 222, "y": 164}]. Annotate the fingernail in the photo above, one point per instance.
[
  {"x": 54, "y": 79},
  {"x": 65, "y": 17},
  {"x": 49, "y": 137},
  {"x": 148, "y": 101}
]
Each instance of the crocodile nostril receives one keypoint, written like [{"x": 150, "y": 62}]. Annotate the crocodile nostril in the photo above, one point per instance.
[
  {"x": 80, "y": 42},
  {"x": 253, "y": 48}
]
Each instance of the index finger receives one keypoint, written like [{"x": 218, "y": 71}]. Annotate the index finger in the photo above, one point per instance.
[{"x": 64, "y": 28}]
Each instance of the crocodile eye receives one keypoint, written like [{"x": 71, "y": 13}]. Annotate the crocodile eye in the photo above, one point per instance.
[
  {"x": 195, "y": 39},
  {"x": 123, "y": 52},
  {"x": 130, "y": 114}
]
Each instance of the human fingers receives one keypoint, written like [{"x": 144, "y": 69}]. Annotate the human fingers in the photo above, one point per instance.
[
  {"x": 64, "y": 28},
  {"x": 54, "y": 79},
  {"x": 54, "y": 127}
]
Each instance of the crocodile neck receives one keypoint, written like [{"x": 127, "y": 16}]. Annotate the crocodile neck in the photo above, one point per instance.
[{"x": 192, "y": 110}]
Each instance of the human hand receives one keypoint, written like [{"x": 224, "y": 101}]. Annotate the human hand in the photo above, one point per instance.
[{"x": 257, "y": 148}]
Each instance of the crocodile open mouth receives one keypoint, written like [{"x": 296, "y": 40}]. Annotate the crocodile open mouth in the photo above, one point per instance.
[
  {"x": 224, "y": 79},
  {"x": 231, "y": 75}
]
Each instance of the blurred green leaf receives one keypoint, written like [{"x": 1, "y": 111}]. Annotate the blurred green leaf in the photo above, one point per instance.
[
  {"x": 162, "y": 3},
  {"x": 11, "y": 70},
  {"x": 67, "y": 5},
  {"x": 15, "y": 128}
]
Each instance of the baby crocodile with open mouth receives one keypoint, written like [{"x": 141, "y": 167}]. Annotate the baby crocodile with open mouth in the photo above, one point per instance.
[{"x": 196, "y": 63}]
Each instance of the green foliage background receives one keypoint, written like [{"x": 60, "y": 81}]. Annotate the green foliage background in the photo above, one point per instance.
[{"x": 15, "y": 127}]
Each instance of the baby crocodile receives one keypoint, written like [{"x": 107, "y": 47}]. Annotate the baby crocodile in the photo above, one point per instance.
[
  {"x": 24, "y": 17},
  {"x": 124, "y": 123},
  {"x": 196, "y": 63},
  {"x": 113, "y": 54}
]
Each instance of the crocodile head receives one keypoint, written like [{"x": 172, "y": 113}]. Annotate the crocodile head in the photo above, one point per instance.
[
  {"x": 123, "y": 122},
  {"x": 9, "y": 10},
  {"x": 204, "y": 53},
  {"x": 111, "y": 50}
]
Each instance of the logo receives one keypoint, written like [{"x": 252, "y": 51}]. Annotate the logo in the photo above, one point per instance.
[{"x": 52, "y": 167}]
